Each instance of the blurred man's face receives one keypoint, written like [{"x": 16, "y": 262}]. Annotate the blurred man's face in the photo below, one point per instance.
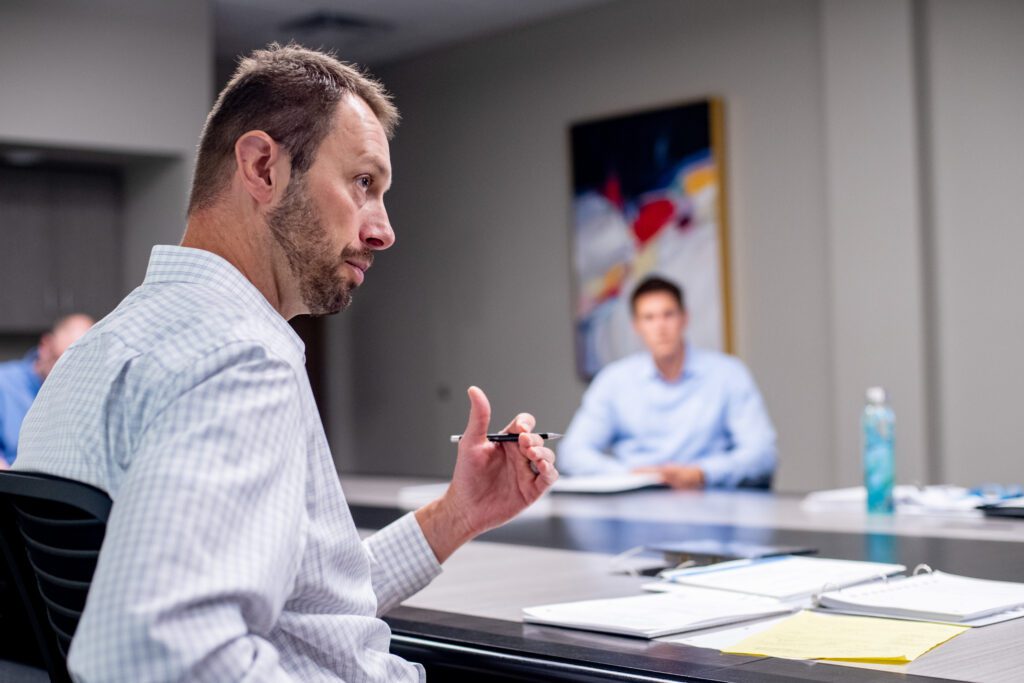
[
  {"x": 660, "y": 322},
  {"x": 332, "y": 218},
  {"x": 53, "y": 344}
]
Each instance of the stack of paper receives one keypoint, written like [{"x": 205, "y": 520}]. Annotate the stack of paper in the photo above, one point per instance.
[
  {"x": 651, "y": 616},
  {"x": 935, "y": 596},
  {"x": 786, "y": 577}
]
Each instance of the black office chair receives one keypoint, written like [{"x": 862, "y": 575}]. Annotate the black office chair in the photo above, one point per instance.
[{"x": 51, "y": 530}]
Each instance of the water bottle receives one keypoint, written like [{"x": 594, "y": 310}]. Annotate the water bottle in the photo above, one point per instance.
[{"x": 879, "y": 454}]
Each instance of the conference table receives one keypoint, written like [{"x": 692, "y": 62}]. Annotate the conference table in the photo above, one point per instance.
[{"x": 468, "y": 622}]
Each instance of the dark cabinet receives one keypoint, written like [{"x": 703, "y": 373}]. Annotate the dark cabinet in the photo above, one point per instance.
[{"x": 60, "y": 245}]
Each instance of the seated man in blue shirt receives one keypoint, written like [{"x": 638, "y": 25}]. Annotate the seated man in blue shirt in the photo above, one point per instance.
[
  {"x": 20, "y": 380},
  {"x": 693, "y": 416}
]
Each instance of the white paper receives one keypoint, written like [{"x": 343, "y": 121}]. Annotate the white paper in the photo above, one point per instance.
[
  {"x": 726, "y": 636},
  {"x": 652, "y": 615},
  {"x": 606, "y": 483}
]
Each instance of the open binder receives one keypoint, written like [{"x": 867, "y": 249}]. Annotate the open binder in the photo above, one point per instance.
[
  {"x": 931, "y": 596},
  {"x": 785, "y": 577}
]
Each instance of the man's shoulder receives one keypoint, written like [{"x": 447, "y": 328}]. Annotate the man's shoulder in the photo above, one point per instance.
[
  {"x": 627, "y": 367},
  {"x": 180, "y": 324},
  {"x": 12, "y": 372},
  {"x": 718, "y": 363},
  {"x": 10, "y": 368}
]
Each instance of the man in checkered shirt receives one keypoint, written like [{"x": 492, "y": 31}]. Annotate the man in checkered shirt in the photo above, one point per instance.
[{"x": 230, "y": 552}]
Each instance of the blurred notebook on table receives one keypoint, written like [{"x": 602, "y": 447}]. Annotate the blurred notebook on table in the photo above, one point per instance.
[
  {"x": 785, "y": 577},
  {"x": 1013, "y": 507},
  {"x": 607, "y": 483},
  {"x": 702, "y": 551},
  {"x": 655, "y": 615}
]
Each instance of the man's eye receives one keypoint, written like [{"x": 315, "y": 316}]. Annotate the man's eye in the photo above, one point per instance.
[{"x": 365, "y": 182}]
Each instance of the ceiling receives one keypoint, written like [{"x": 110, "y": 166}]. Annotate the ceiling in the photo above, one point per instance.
[{"x": 371, "y": 32}]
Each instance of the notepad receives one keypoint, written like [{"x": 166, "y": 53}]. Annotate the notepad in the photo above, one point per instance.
[
  {"x": 809, "y": 635},
  {"x": 654, "y": 615},
  {"x": 934, "y": 596},
  {"x": 784, "y": 578}
]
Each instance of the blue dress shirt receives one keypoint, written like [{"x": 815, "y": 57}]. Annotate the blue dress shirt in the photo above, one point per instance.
[
  {"x": 19, "y": 385},
  {"x": 712, "y": 416}
]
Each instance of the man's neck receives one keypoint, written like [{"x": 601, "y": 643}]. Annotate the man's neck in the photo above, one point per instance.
[
  {"x": 249, "y": 252},
  {"x": 671, "y": 367}
]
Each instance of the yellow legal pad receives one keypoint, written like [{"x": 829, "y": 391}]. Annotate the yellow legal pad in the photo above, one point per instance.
[{"x": 809, "y": 635}]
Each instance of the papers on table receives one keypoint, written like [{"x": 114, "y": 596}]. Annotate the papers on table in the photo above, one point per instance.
[
  {"x": 810, "y": 635},
  {"x": 910, "y": 500},
  {"x": 653, "y": 615},
  {"x": 786, "y": 577},
  {"x": 882, "y": 620},
  {"x": 934, "y": 596},
  {"x": 723, "y": 637},
  {"x": 607, "y": 483}
]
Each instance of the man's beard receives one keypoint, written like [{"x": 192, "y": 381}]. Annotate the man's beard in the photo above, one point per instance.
[{"x": 299, "y": 231}]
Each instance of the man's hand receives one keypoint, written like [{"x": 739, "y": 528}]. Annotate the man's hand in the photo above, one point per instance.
[
  {"x": 678, "y": 476},
  {"x": 492, "y": 482}
]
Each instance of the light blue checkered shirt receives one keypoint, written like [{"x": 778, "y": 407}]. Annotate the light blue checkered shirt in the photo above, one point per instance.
[
  {"x": 230, "y": 552},
  {"x": 712, "y": 417}
]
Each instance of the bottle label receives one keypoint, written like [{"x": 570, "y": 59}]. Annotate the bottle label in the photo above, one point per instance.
[{"x": 879, "y": 464}]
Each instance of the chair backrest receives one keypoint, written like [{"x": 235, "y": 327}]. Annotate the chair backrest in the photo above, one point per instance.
[{"x": 51, "y": 530}]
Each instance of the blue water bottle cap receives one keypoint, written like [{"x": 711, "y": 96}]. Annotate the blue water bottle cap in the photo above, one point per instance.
[{"x": 876, "y": 395}]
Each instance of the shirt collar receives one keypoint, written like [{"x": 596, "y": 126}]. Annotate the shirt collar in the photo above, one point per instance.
[
  {"x": 197, "y": 266},
  {"x": 691, "y": 365}
]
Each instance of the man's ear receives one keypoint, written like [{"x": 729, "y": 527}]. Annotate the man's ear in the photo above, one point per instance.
[
  {"x": 262, "y": 166},
  {"x": 45, "y": 341}
]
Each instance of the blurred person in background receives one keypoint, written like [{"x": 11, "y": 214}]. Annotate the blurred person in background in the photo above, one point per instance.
[
  {"x": 691, "y": 415},
  {"x": 20, "y": 380}
]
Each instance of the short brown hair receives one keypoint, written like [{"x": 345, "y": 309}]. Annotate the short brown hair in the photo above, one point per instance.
[
  {"x": 290, "y": 93},
  {"x": 658, "y": 284}
]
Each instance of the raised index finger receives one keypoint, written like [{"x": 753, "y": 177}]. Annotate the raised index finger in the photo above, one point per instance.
[{"x": 523, "y": 422}]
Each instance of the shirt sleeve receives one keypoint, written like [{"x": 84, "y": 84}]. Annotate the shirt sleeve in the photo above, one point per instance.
[
  {"x": 205, "y": 537},
  {"x": 751, "y": 459},
  {"x": 401, "y": 562},
  {"x": 584, "y": 449}
]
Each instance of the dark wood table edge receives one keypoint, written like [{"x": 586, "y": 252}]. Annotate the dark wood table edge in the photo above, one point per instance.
[{"x": 555, "y": 654}]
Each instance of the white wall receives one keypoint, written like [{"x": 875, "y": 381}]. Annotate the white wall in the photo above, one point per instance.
[
  {"x": 131, "y": 79},
  {"x": 976, "y": 100},
  {"x": 477, "y": 288},
  {"x": 874, "y": 226}
]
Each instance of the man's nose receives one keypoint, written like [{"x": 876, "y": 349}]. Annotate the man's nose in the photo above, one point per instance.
[{"x": 377, "y": 233}]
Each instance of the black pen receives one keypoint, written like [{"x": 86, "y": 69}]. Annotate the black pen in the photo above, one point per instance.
[{"x": 547, "y": 436}]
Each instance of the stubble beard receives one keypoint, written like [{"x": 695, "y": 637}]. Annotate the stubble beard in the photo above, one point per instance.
[{"x": 299, "y": 231}]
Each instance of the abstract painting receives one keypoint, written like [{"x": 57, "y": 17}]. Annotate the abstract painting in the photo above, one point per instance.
[{"x": 648, "y": 199}]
